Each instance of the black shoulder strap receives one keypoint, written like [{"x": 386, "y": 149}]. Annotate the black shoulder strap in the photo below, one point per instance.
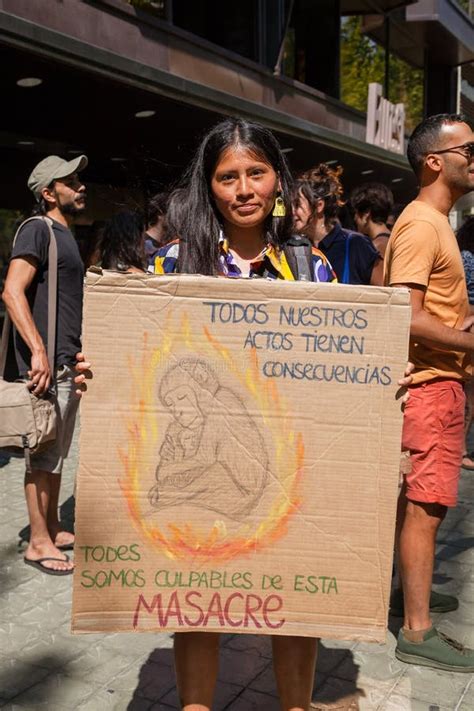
[
  {"x": 52, "y": 298},
  {"x": 299, "y": 255}
]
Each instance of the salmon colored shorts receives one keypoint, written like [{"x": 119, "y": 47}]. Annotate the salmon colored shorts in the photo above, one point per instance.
[{"x": 433, "y": 432}]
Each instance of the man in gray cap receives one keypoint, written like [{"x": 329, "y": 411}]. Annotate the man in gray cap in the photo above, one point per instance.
[{"x": 60, "y": 196}]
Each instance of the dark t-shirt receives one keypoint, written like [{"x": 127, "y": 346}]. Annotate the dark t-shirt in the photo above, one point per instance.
[
  {"x": 33, "y": 241},
  {"x": 362, "y": 254}
]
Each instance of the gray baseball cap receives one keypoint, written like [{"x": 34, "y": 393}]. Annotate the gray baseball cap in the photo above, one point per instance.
[{"x": 53, "y": 168}]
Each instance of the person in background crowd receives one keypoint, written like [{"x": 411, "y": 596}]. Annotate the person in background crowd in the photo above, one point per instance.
[
  {"x": 60, "y": 196},
  {"x": 372, "y": 203},
  {"x": 318, "y": 195},
  {"x": 156, "y": 234},
  {"x": 465, "y": 237},
  {"x": 422, "y": 255},
  {"x": 393, "y": 215},
  {"x": 122, "y": 247},
  {"x": 89, "y": 242}
]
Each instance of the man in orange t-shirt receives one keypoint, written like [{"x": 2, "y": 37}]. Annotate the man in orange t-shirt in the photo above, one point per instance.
[{"x": 423, "y": 255}]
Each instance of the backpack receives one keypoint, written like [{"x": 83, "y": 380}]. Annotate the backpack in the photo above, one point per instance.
[{"x": 299, "y": 255}]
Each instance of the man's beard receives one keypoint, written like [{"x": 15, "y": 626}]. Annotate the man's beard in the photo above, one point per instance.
[{"x": 72, "y": 209}]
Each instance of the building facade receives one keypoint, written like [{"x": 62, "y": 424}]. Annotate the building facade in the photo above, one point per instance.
[{"x": 135, "y": 83}]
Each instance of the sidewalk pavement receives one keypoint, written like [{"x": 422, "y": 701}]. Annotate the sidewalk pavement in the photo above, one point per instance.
[{"x": 43, "y": 666}]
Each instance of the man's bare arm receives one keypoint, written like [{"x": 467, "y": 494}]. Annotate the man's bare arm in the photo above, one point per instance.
[
  {"x": 429, "y": 330},
  {"x": 21, "y": 273}
]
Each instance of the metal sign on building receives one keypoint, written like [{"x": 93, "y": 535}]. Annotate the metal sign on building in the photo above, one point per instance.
[{"x": 385, "y": 121}]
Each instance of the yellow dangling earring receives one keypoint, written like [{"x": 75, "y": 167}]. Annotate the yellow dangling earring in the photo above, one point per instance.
[{"x": 279, "y": 209}]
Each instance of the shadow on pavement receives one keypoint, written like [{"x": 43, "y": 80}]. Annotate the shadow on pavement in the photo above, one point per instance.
[
  {"x": 338, "y": 690},
  {"x": 156, "y": 680}
]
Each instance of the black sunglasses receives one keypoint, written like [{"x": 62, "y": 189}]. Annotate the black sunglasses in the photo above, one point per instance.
[{"x": 467, "y": 150}]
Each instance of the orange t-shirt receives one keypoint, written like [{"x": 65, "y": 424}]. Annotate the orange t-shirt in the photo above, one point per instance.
[{"x": 423, "y": 250}]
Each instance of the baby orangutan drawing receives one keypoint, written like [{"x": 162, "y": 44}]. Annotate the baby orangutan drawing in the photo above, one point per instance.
[{"x": 213, "y": 455}]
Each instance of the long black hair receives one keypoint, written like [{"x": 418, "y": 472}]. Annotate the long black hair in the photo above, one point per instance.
[
  {"x": 196, "y": 219},
  {"x": 122, "y": 244}
]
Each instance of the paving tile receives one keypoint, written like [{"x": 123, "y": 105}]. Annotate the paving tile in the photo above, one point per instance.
[
  {"x": 461, "y": 554},
  {"x": 466, "y": 702},
  {"x": 340, "y": 643},
  {"x": 14, "y": 602},
  {"x": 48, "y": 617},
  {"x": 338, "y": 694},
  {"x": 148, "y": 681},
  {"x": 330, "y": 658},
  {"x": 456, "y": 626},
  {"x": 265, "y": 682},
  {"x": 51, "y": 652},
  {"x": 54, "y": 692},
  {"x": 161, "y": 656},
  {"x": 466, "y": 592},
  {"x": 446, "y": 570},
  {"x": 395, "y": 702},
  {"x": 14, "y": 574},
  {"x": 253, "y": 644},
  {"x": 465, "y": 525},
  {"x": 14, "y": 636},
  {"x": 97, "y": 663},
  {"x": 224, "y": 695},
  {"x": 108, "y": 701},
  {"x": 238, "y": 667},
  {"x": 381, "y": 666},
  {"x": 253, "y": 701},
  {"x": 346, "y": 704},
  {"x": 432, "y": 686},
  {"x": 16, "y": 677},
  {"x": 139, "y": 644},
  {"x": 454, "y": 537}
]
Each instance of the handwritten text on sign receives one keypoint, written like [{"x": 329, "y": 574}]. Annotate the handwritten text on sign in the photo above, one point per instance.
[
  {"x": 309, "y": 326},
  {"x": 253, "y": 603}
]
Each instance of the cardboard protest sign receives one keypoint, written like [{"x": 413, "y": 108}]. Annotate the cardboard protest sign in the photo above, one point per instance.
[{"x": 239, "y": 456}]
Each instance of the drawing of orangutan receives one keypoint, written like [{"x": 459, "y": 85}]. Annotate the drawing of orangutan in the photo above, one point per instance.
[{"x": 213, "y": 455}]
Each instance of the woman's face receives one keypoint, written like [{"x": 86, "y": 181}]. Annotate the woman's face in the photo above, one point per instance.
[
  {"x": 360, "y": 221},
  {"x": 302, "y": 213},
  {"x": 183, "y": 405},
  {"x": 244, "y": 187}
]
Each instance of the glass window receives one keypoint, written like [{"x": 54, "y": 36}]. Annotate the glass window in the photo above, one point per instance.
[
  {"x": 363, "y": 62},
  {"x": 154, "y": 7}
]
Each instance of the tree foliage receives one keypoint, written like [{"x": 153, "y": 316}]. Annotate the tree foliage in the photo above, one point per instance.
[{"x": 363, "y": 61}]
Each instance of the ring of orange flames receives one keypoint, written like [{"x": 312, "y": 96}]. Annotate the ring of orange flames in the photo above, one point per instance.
[{"x": 182, "y": 542}]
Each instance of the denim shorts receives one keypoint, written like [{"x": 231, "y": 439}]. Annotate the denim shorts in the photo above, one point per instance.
[{"x": 52, "y": 458}]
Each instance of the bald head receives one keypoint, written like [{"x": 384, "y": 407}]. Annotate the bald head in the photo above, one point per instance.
[{"x": 433, "y": 134}]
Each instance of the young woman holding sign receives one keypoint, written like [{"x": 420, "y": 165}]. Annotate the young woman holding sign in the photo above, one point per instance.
[{"x": 233, "y": 217}]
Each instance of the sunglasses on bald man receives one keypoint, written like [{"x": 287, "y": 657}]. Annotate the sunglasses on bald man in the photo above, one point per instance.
[{"x": 467, "y": 150}]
